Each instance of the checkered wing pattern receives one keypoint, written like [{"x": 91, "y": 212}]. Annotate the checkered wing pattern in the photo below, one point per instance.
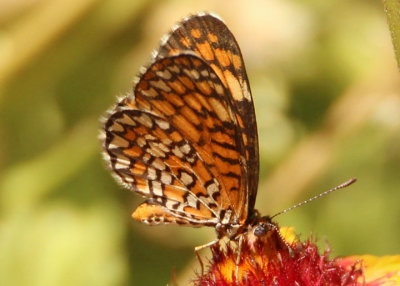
[
  {"x": 186, "y": 139},
  {"x": 211, "y": 40}
]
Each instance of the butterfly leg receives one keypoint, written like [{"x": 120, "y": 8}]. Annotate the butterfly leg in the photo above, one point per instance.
[
  {"x": 238, "y": 259},
  {"x": 200, "y": 247}
]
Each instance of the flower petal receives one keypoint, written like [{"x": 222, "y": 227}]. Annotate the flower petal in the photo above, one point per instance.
[{"x": 384, "y": 270}]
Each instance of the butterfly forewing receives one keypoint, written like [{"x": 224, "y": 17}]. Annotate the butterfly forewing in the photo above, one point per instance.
[
  {"x": 210, "y": 39},
  {"x": 186, "y": 139}
]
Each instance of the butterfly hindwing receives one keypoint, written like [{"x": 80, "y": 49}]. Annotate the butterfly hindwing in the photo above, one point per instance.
[{"x": 175, "y": 140}]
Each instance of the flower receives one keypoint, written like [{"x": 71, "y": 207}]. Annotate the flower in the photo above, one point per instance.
[
  {"x": 268, "y": 261},
  {"x": 378, "y": 271}
]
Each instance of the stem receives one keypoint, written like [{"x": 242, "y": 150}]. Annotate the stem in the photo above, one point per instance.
[{"x": 392, "y": 10}]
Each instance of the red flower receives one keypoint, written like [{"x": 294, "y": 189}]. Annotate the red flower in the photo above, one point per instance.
[{"x": 268, "y": 261}]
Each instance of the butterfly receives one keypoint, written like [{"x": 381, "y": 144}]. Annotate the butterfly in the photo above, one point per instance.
[{"x": 186, "y": 138}]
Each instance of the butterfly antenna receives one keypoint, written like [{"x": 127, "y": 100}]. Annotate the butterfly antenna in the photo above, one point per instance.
[{"x": 344, "y": 185}]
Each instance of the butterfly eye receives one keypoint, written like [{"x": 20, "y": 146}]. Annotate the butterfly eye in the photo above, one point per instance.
[{"x": 261, "y": 229}]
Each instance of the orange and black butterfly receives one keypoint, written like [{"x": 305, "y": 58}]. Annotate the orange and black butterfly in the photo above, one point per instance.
[{"x": 186, "y": 139}]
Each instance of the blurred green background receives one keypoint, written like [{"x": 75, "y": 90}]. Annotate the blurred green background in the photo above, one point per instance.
[{"x": 326, "y": 91}]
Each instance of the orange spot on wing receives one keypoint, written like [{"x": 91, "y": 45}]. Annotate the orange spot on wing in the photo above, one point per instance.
[
  {"x": 148, "y": 76},
  {"x": 175, "y": 136},
  {"x": 220, "y": 74},
  {"x": 184, "y": 61},
  {"x": 227, "y": 153},
  {"x": 141, "y": 184},
  {"x": 190, "y": 115},
  {"x": 244, "y": 138},
  {"x": 197, "y": 63},
  {"x": 177, "y": 86},
  {"x": 139, "y": 168},
  {"x": 195, "y": 33},
  {"x": 186, "y": 127},
  {"x": 165, "y": 107},
  {"x": 174, "y": 193},
  {"x": 192, "y": 102},
  {"x": 173, "y": 51},
  {"x": 134, "y": 151},
  {"x": 130, "y": 135},
  {"x": 223, "y": 57},
  {"x": 237, "y": 62},
  {"x": 206, "y": 51},
  {"x": 203, "y": 101},
  {"x": 204, "y": 87},
  {"x": 142, "y": 103},
  {"x": 213, "y": 38},
  {"x": 202, "y": 212},
  {"x": 173, "y": 98},
  {"x": 185, "y": 42},
  {"x": 239, "y": 121},
  {"x": 234, "y": 85},
  {"x": 187, "y": 82}
]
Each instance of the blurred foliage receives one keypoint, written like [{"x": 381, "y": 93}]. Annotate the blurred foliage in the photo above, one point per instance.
[{"x": 326, "y": 90}]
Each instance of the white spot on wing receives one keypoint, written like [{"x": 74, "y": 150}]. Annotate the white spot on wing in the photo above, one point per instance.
[
  {"x": 204, "y": 73},
  {"x": 158, "y": 164},
  {"x": 186, "y": 178},
  {"x": 177, "y": 152},
  {"x": 246, "y": 90},
  {"x": 157, "y": 188},
  {"x": 118, "y": 142},
  {"x": 212, "y": 188},
  {"x": 123, "y": 160},
  {"x": 219, "y": 89},
  {"x": 119, "y": 166},
  {"x": 160, "y": 84},
  {"x": 227, "y": 217},
  {"x": 191, "y": 201},
  {"x": 163, "y": 147},
  {"x": 185, "y": 149},
  {"x": 174, "y": 68},
  {"x": 192, "y": 74},
  {"x": 151, "y": 92},
  {"x": 141, "y": 142},
  {"x": 166, "y": 178},
  {"x": 129, "y": 179},
  {"x": 165, "y": 74},
  {"x": 146, "y": 157},
  {"x": 149, "y": 137},
  {"x": 164, "y": 125},
  {"x": 234, "y": 85},
  {"x": 145, "y": 120},
  {"x": 116, "y": 127},
  {"x": 151, "y": 174},
  {"x": 127, "y": 120},
  {"x": 219, "y": 109}
]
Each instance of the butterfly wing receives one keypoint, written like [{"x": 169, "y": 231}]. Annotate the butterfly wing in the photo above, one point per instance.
[
  {"x": 210, "y": 39},
  {"x": 187, "y": 139}
]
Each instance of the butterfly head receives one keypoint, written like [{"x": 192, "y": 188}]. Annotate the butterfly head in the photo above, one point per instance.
[
  {"x": 263, "y": 229},
  {"x": 262, "y": 226},
  {"x": 259, "y": 225}
]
